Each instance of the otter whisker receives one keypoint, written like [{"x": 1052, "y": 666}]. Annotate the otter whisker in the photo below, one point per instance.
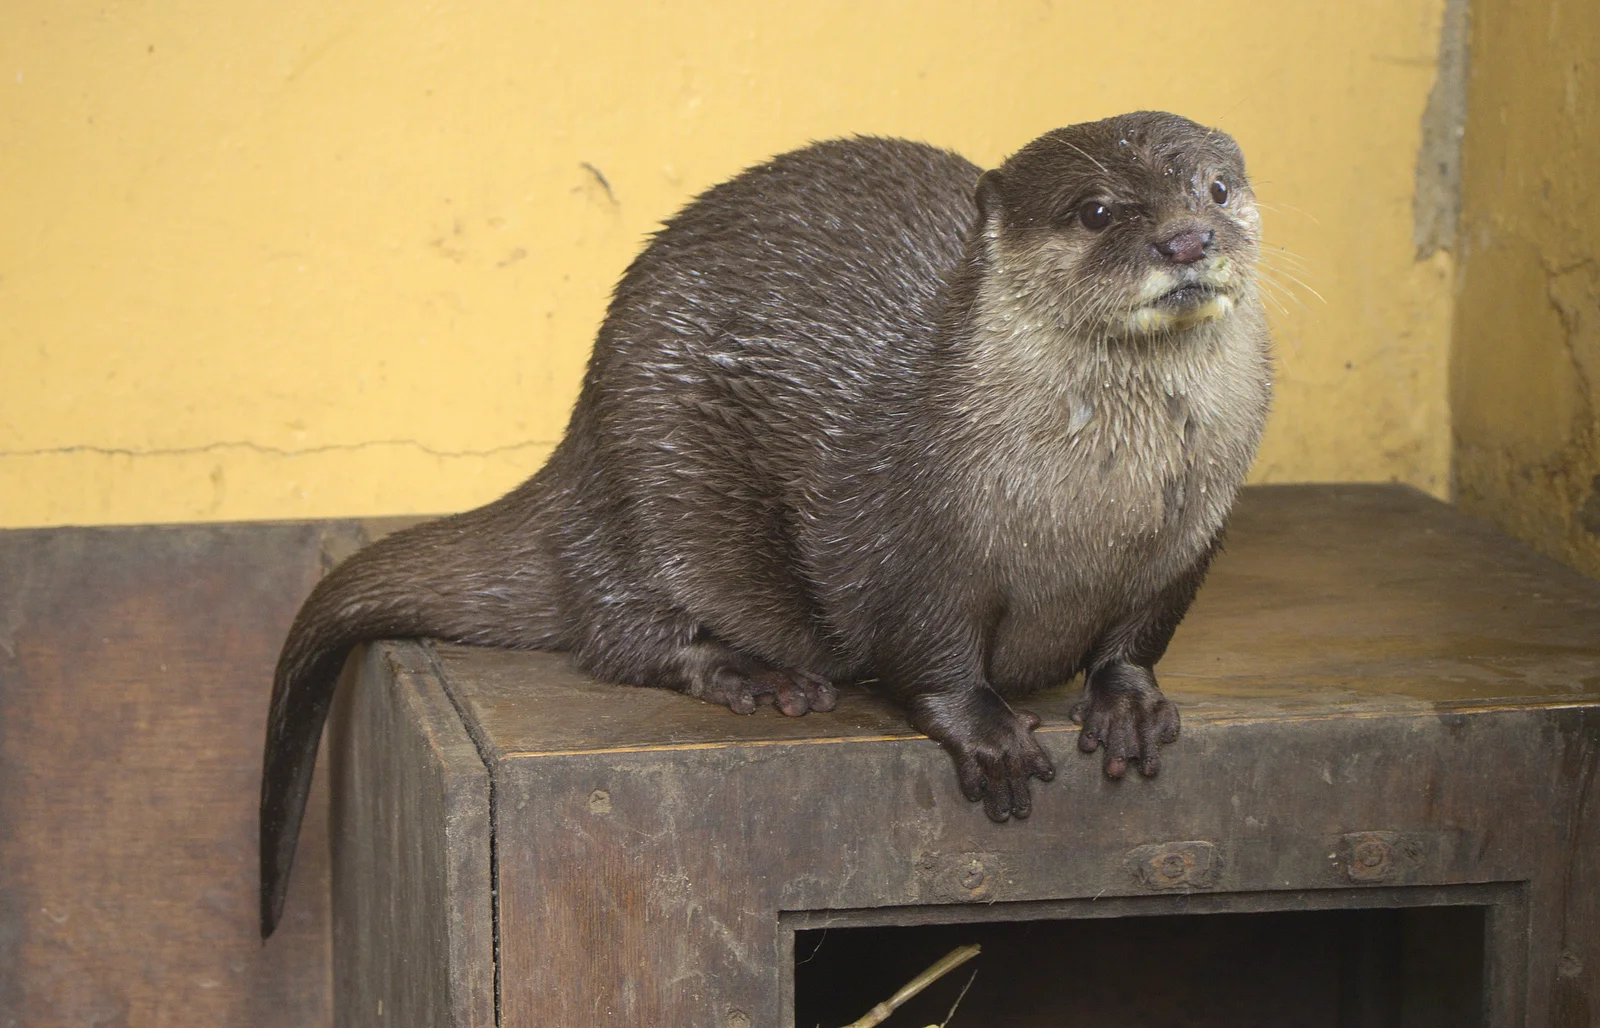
[
  {"x": 1281, "y": 206},
  {"x": 1297, "y": 280},
  {"x": 1087, "y": 154},
  {"x": 1283, "y": 253},
  {"x": 1279, "y": 289}
]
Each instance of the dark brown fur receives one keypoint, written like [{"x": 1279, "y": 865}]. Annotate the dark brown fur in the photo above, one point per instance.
[{"x": 854, "y": 414}]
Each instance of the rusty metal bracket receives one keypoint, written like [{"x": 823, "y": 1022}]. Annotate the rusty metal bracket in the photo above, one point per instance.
[{"x": 1176, "y": 865}]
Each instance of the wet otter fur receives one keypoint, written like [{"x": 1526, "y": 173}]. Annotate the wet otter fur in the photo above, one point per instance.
[{"x": 865, "y": 411}]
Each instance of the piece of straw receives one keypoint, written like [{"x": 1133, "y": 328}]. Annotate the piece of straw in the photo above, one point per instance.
[{"x": 947, "y": 963}]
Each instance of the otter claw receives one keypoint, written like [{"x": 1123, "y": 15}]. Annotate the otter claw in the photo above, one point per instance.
[{"x": 1124, "y": 715}]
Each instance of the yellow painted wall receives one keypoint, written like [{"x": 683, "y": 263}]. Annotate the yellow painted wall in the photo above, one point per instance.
[
  {"x": 306, "y": 258},
  {"x": 1526, "y": 373}
]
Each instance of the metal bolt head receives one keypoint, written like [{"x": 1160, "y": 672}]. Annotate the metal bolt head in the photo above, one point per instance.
[
  {"x": 1371, "y": 856},
  {"x": 1372, "y": 853},
  {"x": 1194, "y": 864},
  {"x": 1172, "y": 866}
]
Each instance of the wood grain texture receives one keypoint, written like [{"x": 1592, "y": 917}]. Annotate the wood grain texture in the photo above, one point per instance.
[
  {"x": 135, "y": 665},
  {"x": 413, "y": 917},
  {"x": 1576, "y": 999}
]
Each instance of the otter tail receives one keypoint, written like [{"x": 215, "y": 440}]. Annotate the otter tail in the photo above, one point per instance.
[{"x": 486, "y": 576}]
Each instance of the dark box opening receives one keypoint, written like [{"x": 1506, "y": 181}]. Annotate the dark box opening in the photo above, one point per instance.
[{"x": 1419, "y": 967}]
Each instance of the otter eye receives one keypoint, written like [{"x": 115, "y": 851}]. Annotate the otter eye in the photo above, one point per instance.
[
  {"x": 1219, "y": 190},
  {"x": 1094, "y": 215}
]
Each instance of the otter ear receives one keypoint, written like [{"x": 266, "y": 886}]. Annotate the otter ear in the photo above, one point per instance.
[{"x": 990, "y": 195}]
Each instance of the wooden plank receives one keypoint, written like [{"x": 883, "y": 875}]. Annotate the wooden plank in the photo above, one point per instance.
[
  {"x": 135, "y": 665},
  {"x": 1575, "y": 999},
  {"x": 413, "y": 916}
]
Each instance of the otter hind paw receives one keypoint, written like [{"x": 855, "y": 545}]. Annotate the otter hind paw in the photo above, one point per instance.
[{"x": 742, "y": 685}]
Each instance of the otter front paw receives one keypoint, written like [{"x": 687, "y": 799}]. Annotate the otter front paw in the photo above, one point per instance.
[
  {"x": 1124, "y": 715},
  {"x": 994, "y": 751}
]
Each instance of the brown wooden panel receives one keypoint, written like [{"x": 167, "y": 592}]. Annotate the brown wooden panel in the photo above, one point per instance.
[
  {"x": 411, "y": 850},
  {"x": 646, "y": 887},
  {"x": 1576, "y": 1003},
  {"x": 135, "y": 665}
]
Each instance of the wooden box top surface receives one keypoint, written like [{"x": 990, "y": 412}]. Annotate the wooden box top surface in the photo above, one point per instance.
[{"x": 1329, "y": 601}]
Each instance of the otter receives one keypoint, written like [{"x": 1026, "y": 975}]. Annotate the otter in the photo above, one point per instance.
[{"x": 866, "y": 411}]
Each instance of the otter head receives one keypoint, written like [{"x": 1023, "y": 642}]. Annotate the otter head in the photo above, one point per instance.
[{"x": 1135, "y": 226}]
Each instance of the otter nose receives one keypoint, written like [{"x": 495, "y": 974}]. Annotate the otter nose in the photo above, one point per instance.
[{"x": 1187, "y": 246}]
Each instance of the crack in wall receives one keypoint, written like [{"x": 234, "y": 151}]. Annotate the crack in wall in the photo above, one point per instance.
[
  {"x": 1551, "y": 496},
  {"x": 1574, "y": 292},
  {"x": 270, "y": 451}
]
